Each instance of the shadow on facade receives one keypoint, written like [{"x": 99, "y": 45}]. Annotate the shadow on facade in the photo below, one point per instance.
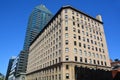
[{"x": 92, "y": 74}]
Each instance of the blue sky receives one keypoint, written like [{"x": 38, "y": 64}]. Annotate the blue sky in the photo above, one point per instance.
[{"x": 14, "y": 18}]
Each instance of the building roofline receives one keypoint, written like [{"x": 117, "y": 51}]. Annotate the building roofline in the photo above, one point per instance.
[{"x": 63, "y": 7}]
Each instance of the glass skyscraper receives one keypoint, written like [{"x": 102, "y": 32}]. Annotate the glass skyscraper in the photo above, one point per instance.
[
  {"x": 37, "y": 20},
  {"x": 39, "y": 17}
]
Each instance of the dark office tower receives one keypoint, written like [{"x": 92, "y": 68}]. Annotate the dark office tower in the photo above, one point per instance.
[
  {"x": 9, "y": 67},
  {"x": 37, "y": 20}
]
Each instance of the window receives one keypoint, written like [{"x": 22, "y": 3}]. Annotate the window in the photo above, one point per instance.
[
  {"x": 93, "y": 55},
  {"x": 83, "y": 38},
  {"x": 59, "y": 59},
  {"x": 92, "y": 47},
  {"x": 80, "y": 59},
  {"x": 83, "y": 32},
  {"x": 101, "y": 62},
  {"x": 89, "y": 54},
  {"x": 78, "y": 31},
  {"x": 67, "y": 75},
  {"x": 80, "y": 52},
  {"x": 88, "y": 40},
  {"x": 66, "y": 28},
  {"x": 104, "y": 57},
  {"x": 80, "y": 15},
  {"x": 94, "y": 61},
  {"x": 79, "y": 44},
  {"x": 97, "y": 55},
  {"x": 73, "y": 23},
  {"x": 85, "y": 60},
  {"x": 84, "y": 45},
  {"x": 73, "y": 17},
  {"x": 98, "y": 62},
  {"x": 72, "y": 12},
  {"x": 75, "y": 43},
  {"x": 66, "y": 42},
  {"x": 75, "y": 58},
  {"x": 92, "y": 41},
  {"x": 66, "y": 50},
  {"x": 87, "y": 34},
  {"x": 66, "y": 16},
  {"x": 66, "y": 35},
  {"x": 59, "y": 76},
  {"x": 103, "y": 51},
  {"x": 65, "y": 10},
  {"x": 82, "y": 27},
  {"x": 100, "y": 56},
  {"x": 67, "y": 66},
  {"x": 79, "y": 37},
  {"x": 66, "y": 22},
  {"x": 88, "y": 46},
  {"x": 90, "y": 61},
  {"x": 96, "y": 48},
  {"x": 105, "y": 63},
  {"x": 78, "y": 25},
  {"x": 74, "y": 36},
  {"x": 85, "y": 53},
  {"x": 74, "y": 29},
  {"x": 66, "y": 58},
  {"x": 75, "y": 50}
]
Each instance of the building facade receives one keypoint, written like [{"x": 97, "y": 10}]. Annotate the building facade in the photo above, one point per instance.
[
  {"x": 70, "y": 40},
  {"x": 115, "y": 69},
  {"x": 37, "y": 20},
  {"x": 11, "y": 60}
]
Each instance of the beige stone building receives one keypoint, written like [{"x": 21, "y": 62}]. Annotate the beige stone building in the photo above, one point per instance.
[{"x": 72, "y": 38}]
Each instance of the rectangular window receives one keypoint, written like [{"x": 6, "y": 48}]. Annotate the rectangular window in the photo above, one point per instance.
[
  {"x": 74, "y": 29},
  {"x": 65, "y": 10},
  {"x": 66, "y": 42},
  {"x": 88, "y": 46},
  {"x": 75, "y": 58},
  {"x": 94, "y": 61},
  {"x": 85, "y": 60},
  {"x": 80, "y": 59},
  {"x": 79, "y": 38},
  {"x": 67, "y": 75},
  {"x": 98, "y": 62},
  {"x": 78, "y": 31},
  {"x": 73, "y": 23},
  {"x": 66, "y": 58},
  {"x": 66, "y": 28},
  {"x": 66, "y": 35},
  {"x": 75, "y": 43},
  {"x": 66, "y": 50},
  {"x": 74, "y": 36},
  {"x": 66, "y": 16},
  {"x": 73, "y": 17},
  {"x": 80, "y": 52},
  {"x": 59, "y": 76},
  {"x": 66, "y": 23},
  {"x": 75, "y": 50},
  {"x": 88, "y": 40},
  {"x": 82, "y": 27},
  {"x": 79, "y": 44},
  {"x": 90, "y": 61},
  {"x": 83, "y": 38},
  {"x": 85, "y": 53},
  {"x": 105, "y": 63},
  {"x": 67, "y": 66},
  {"x": 101, "y": 62},
  {"x": 84, "y": 45}
]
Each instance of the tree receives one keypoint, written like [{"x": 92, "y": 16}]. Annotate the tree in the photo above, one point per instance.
[{"x": 117, "y": 59}]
